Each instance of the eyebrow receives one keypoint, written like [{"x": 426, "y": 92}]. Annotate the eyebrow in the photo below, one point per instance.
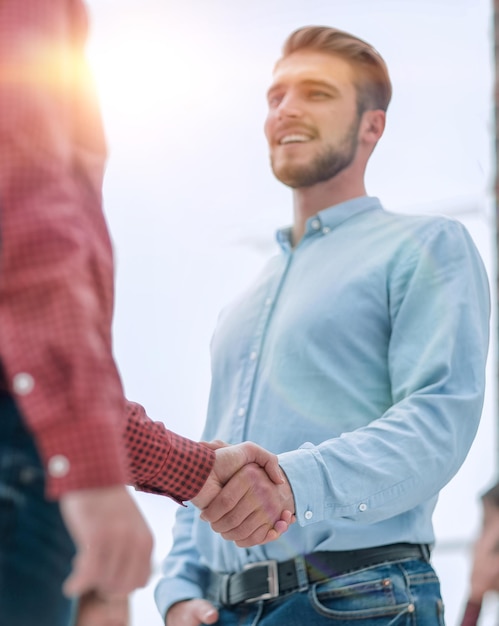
[{"x": 306, "y": 83}]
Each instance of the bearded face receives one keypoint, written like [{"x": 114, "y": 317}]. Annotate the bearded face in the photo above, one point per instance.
[
  {"x": 313, "y": 120},
  {"x": 324, "y": 161}
]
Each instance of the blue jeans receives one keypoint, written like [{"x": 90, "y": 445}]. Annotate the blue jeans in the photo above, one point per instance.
[
  {"x": 35, "y": 547},
  {"x": 403, "y": 593}
]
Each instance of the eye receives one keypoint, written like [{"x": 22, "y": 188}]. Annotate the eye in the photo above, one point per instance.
[
  {"x": 274, "y": 100},
  {"x": 317, "y": 94}
]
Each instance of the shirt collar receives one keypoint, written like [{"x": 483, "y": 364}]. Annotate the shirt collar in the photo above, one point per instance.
[{"x": 327, "y": 219}]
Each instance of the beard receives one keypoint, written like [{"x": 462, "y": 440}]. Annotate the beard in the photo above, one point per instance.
[{"x": 325, "y": 165}]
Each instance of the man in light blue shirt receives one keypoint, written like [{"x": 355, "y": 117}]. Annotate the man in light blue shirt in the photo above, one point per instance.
[{"x": 358, "y": 356}]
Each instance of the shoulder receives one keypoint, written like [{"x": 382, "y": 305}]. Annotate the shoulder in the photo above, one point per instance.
[{"x": 419, "y": 233}]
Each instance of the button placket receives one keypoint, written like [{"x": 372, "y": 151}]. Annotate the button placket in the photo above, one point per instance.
[
  {"x": 255, "y": 350},
  {"x": 250, "y": 370}
]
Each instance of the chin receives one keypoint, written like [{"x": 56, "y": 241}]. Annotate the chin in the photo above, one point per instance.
[{"x": 288, "y": 174}]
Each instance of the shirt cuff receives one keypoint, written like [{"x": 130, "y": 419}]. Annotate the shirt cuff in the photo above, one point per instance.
[
  {"x": 169, "y": 591},
  {"x": 184, "y": 470},
  {"x": 302, "y": 469},
  {"x": 86, "y": 457}
]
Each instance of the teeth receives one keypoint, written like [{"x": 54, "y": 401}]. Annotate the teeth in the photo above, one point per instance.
[{"x": 294, "y": 139}]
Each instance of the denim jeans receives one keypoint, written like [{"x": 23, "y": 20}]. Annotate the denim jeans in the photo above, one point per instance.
[
  {"x": 35, "y": 547},
  {"x": 402, "y": 593}
]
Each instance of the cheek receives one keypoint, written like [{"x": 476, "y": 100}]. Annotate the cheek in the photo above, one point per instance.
[{"x": 268, "y": 127}]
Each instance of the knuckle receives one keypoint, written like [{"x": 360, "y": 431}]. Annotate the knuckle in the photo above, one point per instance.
[
  {"x": 227, "y": 500},
  {"x": 226, "y": 523}
]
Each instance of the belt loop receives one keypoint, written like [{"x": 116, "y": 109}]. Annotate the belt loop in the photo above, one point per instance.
[
  {"x": 301, "y": 573},
  {"x": 223, "y": 595},
  {"x": 426, "y": 552}
]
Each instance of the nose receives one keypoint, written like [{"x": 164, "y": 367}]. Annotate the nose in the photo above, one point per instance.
[{"x": 289, "y": 107}]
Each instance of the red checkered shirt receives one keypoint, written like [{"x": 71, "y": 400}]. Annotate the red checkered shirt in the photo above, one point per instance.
[{"x": 56, "y": 269}]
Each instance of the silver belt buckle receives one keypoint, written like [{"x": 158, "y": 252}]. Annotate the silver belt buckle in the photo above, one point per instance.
[{"x": 272, "y": 580}]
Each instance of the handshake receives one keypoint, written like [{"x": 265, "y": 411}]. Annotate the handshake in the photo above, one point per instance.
[{"x": 247, "y": 498}]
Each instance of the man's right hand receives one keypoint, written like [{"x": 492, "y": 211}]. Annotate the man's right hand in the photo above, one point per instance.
[
  {"x": 239, "y": 488},
  {"x": 113, "y": 542},
  {"x": 191, "y": 613}
]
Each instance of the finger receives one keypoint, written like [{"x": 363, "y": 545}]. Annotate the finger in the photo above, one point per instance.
[
  {"x": 110, "y": 568},
  {"x": 125, "y": 573},
  {"x": 288, "y": 517},
  {"x": 191, "y": 613},
  {"x": 205, "y": 612},
  {"x": 268, "y": 461},
  {"x": 263, "y": 534},
  {"x": 249, "y": 516},
  {"x": 83, "y": 576},
  {"x": 248, "y": 492},
  {"x": 260, "y": 538},
  {"x": 227, "y": 502}
]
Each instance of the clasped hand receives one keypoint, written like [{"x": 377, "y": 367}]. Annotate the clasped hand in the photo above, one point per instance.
[{"x": 247, "y": 498}]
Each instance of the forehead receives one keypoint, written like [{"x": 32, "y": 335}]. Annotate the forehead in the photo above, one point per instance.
[{"x": 311, "y": 65}]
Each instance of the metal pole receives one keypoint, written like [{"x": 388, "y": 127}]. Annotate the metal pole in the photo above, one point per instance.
[{"x": 496, "y": 193}]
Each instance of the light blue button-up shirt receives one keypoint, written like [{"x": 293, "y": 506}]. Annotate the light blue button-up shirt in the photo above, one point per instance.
[{"x": 359, "y": 358}]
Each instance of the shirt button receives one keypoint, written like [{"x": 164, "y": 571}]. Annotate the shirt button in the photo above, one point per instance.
[
  {"x": 268, "y": 301},
  {"x": 23, "y": 383},
  {"x": 253, "y": 356},
  {"x": 363, "y": 507},
  {"x": 241, "y": 411},
  {"x": 58, "y": 466},
  {"x": 316, "y": 224},
  {"x": 308, "y": 514},
  {"x": 325, "y": 230}
]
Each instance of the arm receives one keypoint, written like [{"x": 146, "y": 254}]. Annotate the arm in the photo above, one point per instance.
[
  {"x": 184, "y": 576},
  {"x": 164, "y": 463},
  {"x": 56, "y": 288},
  {"x": 439, "y": 314},
  {"x": 56, "y": 267}
]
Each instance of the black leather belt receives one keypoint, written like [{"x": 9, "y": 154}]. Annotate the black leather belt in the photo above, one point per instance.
[{"x": 265, "y": 580}]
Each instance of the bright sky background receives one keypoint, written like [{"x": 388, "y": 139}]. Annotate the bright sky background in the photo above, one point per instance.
[{"x": 192, "y": 204}]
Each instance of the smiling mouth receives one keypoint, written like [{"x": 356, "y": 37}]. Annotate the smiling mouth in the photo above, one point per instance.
[{"x": 294, "y": 139}]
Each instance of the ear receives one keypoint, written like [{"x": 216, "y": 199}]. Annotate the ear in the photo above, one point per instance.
[{"x": 372, "y": 126}]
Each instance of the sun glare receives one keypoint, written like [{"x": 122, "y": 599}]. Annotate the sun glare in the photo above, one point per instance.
[{"x": 139, "y": 69}]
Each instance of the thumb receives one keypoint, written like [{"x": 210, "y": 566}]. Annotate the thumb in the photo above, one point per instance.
[
  {"x": 82, "y": 576},
  {"x": 265, "y": 459},
  {"x": 204, "y": 611}
]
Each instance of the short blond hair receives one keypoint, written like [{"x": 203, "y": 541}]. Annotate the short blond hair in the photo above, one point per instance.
[{"x": 372, "y": 81}]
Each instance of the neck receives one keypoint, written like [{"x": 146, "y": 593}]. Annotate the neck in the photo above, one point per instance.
[{"x": 307, "y": 201}]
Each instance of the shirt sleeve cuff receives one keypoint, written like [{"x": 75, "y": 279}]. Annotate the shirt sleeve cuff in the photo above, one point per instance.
[
  {"x": 169, "y": 591},
  {"x": 184, "y": 471},
  {"x": 303, "y": 471},
  {"x": 162, "y": 462},
  {"x": 81, "y": 458}
]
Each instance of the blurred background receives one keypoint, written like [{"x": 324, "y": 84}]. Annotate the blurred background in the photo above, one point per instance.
[{"x": 193, "y": 207}]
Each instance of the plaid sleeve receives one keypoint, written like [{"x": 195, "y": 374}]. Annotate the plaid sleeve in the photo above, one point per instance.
[
  {"x": 56, "y": 264},
  {"x": 163, "y": 462}
]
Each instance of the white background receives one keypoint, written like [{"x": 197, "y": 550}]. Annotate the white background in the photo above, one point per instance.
[{"x": 192, "y": 204}]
